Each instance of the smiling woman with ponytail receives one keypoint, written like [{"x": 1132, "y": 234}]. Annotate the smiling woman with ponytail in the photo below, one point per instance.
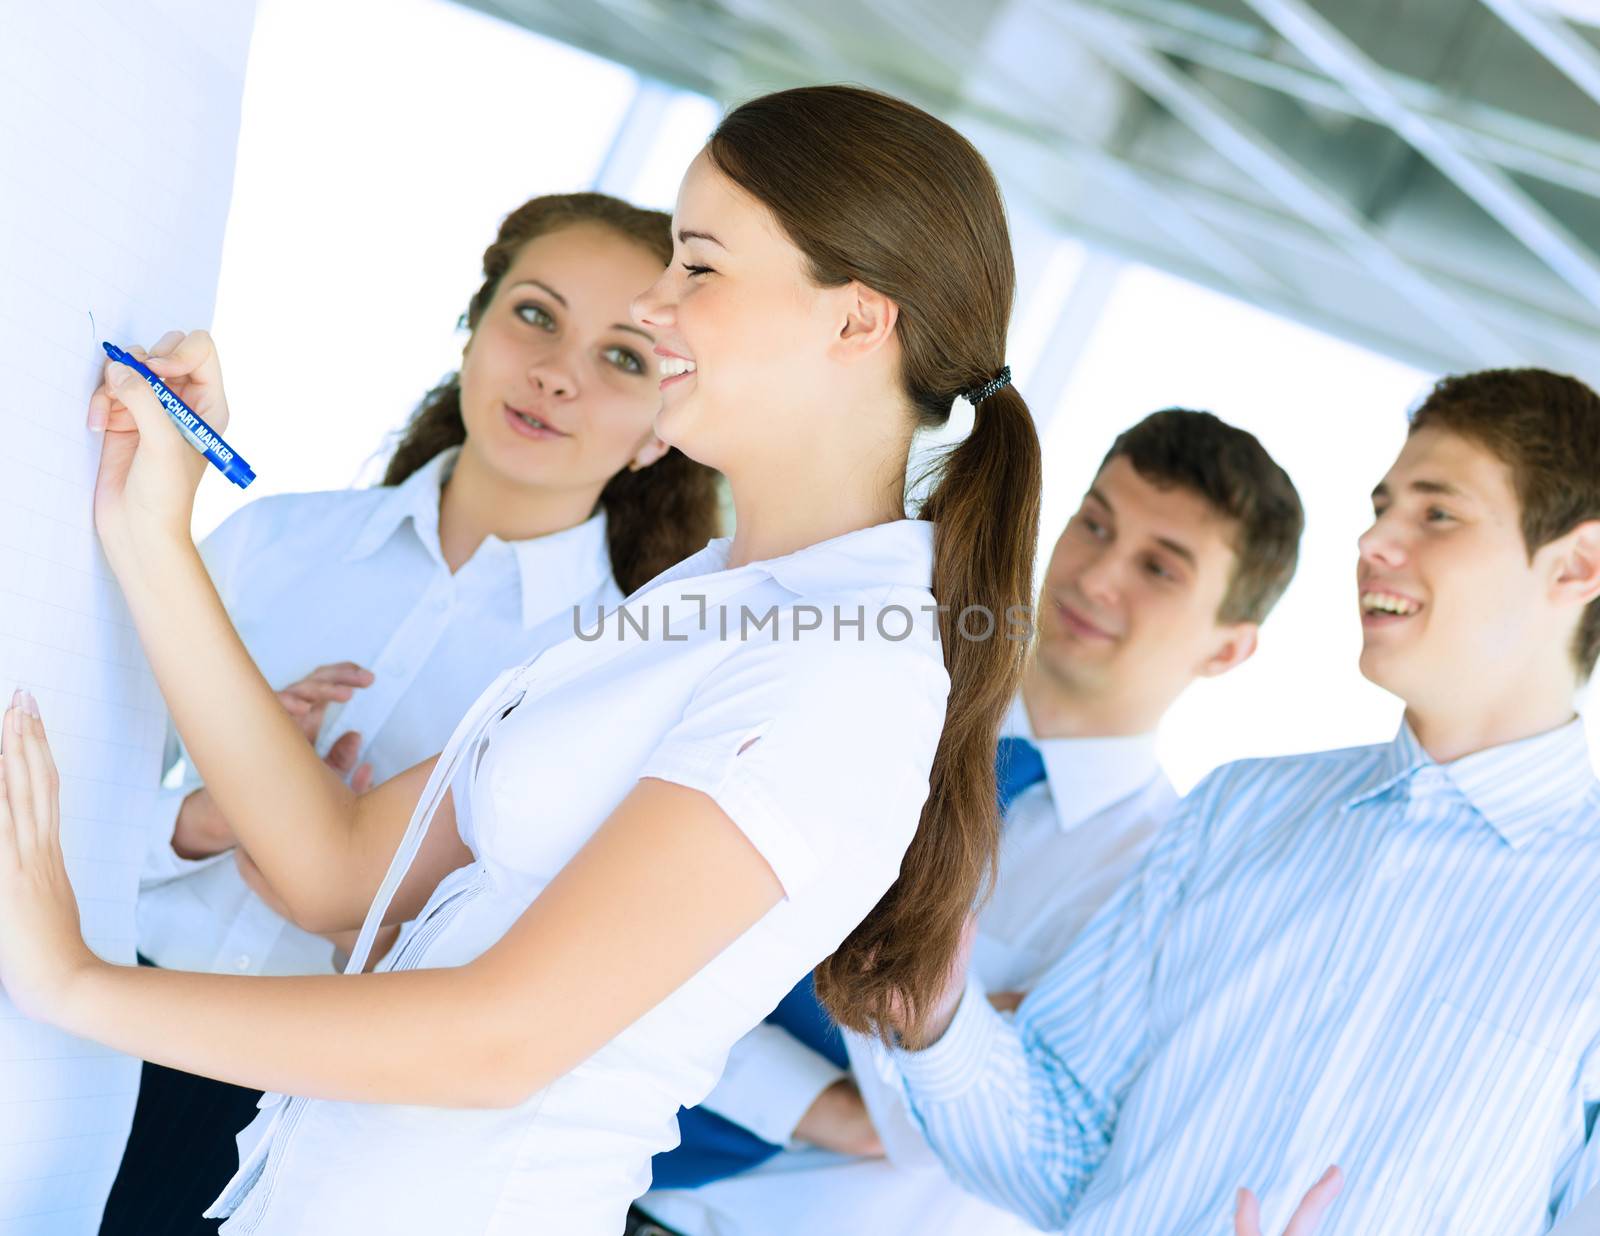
[{"x": 909, "y": 208}]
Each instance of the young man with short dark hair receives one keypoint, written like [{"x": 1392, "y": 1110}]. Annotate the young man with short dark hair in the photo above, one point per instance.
[{"x": 1186, "y": 538}]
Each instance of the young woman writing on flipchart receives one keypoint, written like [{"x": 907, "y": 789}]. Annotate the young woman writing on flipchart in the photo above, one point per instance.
[{"x": 631, "y": 847}]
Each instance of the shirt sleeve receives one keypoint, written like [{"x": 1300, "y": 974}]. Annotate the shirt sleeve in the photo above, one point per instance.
[
  {"x": 817, "y": 748},
  {"x": 770, "y": 1081},
  {"x": 161, "y": 861},
  {"x": 1022, "y": 1111}
]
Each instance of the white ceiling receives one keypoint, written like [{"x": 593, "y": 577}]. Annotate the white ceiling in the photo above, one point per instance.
[{"x": 1419, "y": 175}]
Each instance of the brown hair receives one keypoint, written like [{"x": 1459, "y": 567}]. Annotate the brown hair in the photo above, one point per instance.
[
  {"x": 872, "y": 189},
  {"x": 1546, "y": 428},
  {"x": 1233, "y": 473},
  {"x": 655, "y": 517}
]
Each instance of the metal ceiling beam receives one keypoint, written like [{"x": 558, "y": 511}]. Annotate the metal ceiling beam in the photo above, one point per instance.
[
  {"x": 1585, "y": 11},
  {"x": 1279, "y": 175},
  {"x": 927, "y": 26},
  {"x": 1557, "y": 42},
  {"x": 1263, "y": 223},
  {"x": 1557, "y": 343},
  {"x": 1491, "y": 188},
  {"x": 1514, "y": 142}
]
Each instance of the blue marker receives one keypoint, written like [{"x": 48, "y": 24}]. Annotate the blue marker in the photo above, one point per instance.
[{"x": 201, "y": 436}]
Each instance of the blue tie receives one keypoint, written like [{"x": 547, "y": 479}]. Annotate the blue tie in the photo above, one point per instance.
[
  {"x": 1017, "y": 765},
  {"x": 713, "y": 1148}
]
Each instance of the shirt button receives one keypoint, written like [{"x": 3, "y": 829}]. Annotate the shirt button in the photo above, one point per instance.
[{"x": 241, "y": 963}]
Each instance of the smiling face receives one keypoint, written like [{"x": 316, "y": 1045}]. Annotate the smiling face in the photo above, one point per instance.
[
  {"x": 558, "y": 386},
  {"x": 1445, "y": 583},
  {"x": 739, "y": 325},
  {"x": 1132, "y": 593}
]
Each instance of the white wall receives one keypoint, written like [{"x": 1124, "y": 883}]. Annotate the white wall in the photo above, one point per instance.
[{"x": 382, "y": 143}]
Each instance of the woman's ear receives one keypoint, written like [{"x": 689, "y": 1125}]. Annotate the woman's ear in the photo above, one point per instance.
[
  {"x": 868, "y": 320},
  {"x": 653, "y": 449}
]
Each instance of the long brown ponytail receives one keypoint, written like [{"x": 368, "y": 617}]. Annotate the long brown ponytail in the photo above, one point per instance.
[
  {"x": 870, "y": 188},
  {"x": 655, "y": 517}
]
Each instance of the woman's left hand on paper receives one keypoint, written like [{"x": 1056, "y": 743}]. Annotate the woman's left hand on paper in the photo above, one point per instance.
[{"x": 41, "y": 942}]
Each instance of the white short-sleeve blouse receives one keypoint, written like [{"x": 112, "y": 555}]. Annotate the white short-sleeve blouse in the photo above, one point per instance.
[{"x": 805, "y": 695}]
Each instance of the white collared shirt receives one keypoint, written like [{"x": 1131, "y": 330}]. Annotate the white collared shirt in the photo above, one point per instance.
[
  {"x": 1065, "y": 846},
  {"x": 1068, "y": 842},
  {"x": 818, "y": 748},
  {"x": 358, "y": 575}
]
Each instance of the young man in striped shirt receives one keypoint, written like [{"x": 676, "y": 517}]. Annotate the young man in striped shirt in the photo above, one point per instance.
[{"x": 1381, "y": 958}]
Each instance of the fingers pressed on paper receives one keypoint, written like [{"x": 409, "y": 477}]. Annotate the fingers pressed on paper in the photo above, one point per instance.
[
  {"x": 9, "y": 855},
  {"x": 19, "y": 785},
  {"x": 46, "y": 783}
]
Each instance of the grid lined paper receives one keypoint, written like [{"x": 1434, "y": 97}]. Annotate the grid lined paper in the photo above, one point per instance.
[{"x": 118, "y": 124}]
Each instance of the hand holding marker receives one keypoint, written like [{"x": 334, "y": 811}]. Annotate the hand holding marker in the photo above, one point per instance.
[{"x": 201, "y": 436}]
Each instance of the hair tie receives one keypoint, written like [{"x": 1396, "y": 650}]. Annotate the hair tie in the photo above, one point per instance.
[{"x": 994, "y": 385}]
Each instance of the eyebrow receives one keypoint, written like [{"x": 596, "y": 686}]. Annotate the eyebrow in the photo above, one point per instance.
[
  {"x": 548, "y": 290},
  {"x": 562, "y": 301},
  {"x": 1167, "y": 543},
  {"x": 1442, "y": 488},
  {"x": 685, "y": 235}
]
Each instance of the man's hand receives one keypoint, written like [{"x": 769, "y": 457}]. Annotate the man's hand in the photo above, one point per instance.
[
  {"x": 1307, "y": 1216},
  {"x": 838, "y": 1121},
  {"x": 943, "y": 1010}
]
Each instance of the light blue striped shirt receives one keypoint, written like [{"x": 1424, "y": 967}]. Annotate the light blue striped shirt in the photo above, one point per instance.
[{"x": 1359, "y": 957}]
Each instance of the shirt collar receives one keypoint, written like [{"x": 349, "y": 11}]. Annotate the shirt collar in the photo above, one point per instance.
[
  {"x": 1519, "y": 787},
  {"x": 1087, "y": 775},
  {"x": 559, "y": 569},
  {"x": 416, "y": 498},
  {"x": 554, "y": 570},
  {"x": 899, "y": 552}
]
